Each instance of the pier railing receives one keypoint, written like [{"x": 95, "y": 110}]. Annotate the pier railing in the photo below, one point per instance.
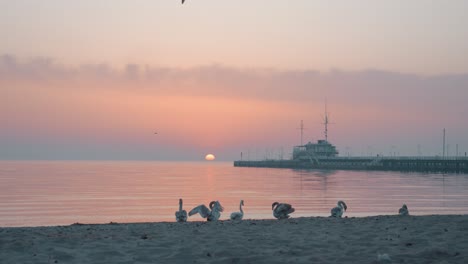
[
  {"x": 401, "y": 157},
  {"x": 408, "y": 163},
  {"x": 461, "y": 158}
]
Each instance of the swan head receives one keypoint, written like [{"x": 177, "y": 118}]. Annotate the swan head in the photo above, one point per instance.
[
  {"x": 216, "y": 205},
  {"x": 343, "y": 205},
  {"x": 242, "y": 202},
  {"x": 274, "y": 205},
  {"x": 180, "y": 201}
]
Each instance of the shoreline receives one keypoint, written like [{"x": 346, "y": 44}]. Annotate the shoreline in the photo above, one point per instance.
[{"x": 412, "y": 239}]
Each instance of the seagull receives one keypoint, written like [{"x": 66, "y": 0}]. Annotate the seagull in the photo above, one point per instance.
[
  {"x": 211, "y": 214},
  {"x": 238, "y": 215},
  {"x": 282, "y": 210},
  {"x": 403, "y": 210},
  {"x": 339, "y": 209},
  {"x": 181, "y": 215}
]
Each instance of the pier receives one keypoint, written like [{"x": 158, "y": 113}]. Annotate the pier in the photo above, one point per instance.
[
  {"x": 416, "y": 164},
  {"x": 323, "y": 155}
]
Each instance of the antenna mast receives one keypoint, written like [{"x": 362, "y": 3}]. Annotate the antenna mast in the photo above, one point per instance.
[
  {"x": 302, "y": 130},
  {"x": 443, "y": 145},
  {"x": 326, "y": 121}
]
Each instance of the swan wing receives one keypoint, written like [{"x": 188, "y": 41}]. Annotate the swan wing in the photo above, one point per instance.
[
  {"x": 202, "y": 210},
  {"x": 214, "y": 215},
  {"x": 336, "y": 212},
  {"x": 237, "y": 216},
  {"x": 403, "y": 211},
  {"x": 284, "y": 208}
]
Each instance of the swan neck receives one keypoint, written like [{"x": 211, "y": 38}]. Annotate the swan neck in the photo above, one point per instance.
[{"x": 180, "y": 205}]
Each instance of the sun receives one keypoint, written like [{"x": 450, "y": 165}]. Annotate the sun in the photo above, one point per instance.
[{"x": 210, "y": 157}]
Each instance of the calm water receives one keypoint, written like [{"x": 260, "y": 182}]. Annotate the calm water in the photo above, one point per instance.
[{"x": 64, "y": 192}]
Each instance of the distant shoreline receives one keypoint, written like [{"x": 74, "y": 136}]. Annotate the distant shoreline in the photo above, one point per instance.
[{"x": 412, "y": 239}]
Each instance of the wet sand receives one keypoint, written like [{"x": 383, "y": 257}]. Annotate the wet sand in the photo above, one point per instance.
[{"x": 413, "y": 239}]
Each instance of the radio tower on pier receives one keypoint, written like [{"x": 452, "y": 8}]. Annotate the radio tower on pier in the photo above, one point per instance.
[
  {"x": 302, "y": 130},
  {"x": 326, "y": 121}
]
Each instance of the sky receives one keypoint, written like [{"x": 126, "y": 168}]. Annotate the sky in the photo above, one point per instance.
[{"x": 96, "y": 79}]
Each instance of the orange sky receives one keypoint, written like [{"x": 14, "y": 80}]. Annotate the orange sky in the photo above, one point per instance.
[
  {"x": 95, "y": 79},
  {"x": 75, "y": 113}
]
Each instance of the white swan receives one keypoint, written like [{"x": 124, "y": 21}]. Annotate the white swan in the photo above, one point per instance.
[
  {"x": 238, "y": 215},
  {"x": 211, "y": 214},
  {"x": 282, "y": 210},
  {"x": 403, "y": 210},
  {"x": 181, "y": 215},
  {"x": 339, "y": 209}
]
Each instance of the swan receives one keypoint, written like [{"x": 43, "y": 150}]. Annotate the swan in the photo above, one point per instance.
[
  {"x": 282, "y": 210},
  {"x": 211, "y": 214},
  {"x": 181, "y": 215},
  {"x": 238, "y": 215},
  {"x": 403, "y": 210},
  {"x": 339, "y": 209}
]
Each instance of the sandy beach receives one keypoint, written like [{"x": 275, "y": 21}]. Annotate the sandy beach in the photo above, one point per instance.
[{"x": 413, "y": 239}]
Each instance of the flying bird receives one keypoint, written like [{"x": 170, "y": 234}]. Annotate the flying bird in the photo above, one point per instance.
[
  {"x": 339, "y": 209},
  {"x": 181, "y": 215},
  {"x": 282, "y": 210},
  {"x": 403, "y": 210},
  {"x": 238, "y": 215},
  {"x": 211, "y": 214}
]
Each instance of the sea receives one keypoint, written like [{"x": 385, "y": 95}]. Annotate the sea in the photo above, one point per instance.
[{"x": 45, "y": 193}]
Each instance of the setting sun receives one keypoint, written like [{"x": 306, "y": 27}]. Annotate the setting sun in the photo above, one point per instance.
[{"x": 210, "y": 157}]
